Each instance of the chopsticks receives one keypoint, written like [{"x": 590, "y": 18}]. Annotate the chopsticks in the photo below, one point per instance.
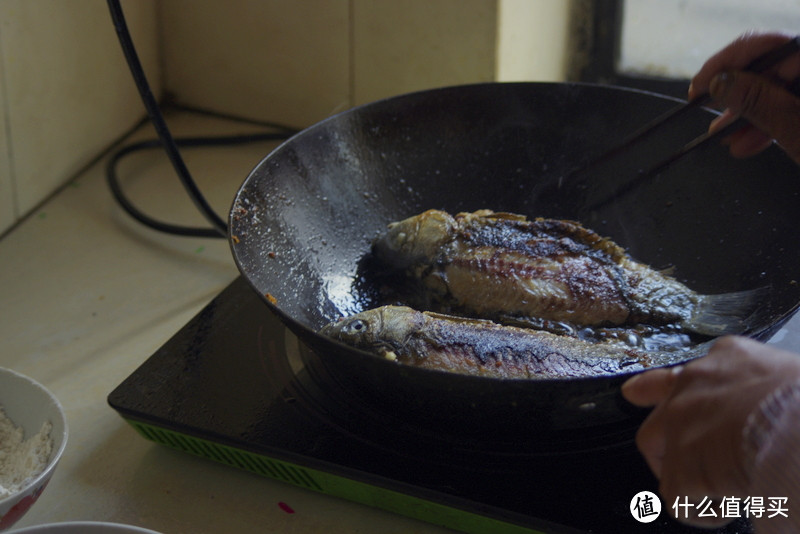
[{"x": 759, "y": 64}]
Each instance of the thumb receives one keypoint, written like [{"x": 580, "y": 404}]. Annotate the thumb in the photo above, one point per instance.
[
  {"x": 766, "y": 104},
  {"x": 651, "y": 387}
]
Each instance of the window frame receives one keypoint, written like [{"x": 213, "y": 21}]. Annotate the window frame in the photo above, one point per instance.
[{"x": 600, "y": 44}]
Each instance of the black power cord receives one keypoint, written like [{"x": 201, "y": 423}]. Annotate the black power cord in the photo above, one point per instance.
[
  {"x": 192, "y": 142},
  {"x": 165, "y": 140}
]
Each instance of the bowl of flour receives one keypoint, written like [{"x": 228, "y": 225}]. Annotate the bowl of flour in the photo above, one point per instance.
[{"x": 33, "y": 434}]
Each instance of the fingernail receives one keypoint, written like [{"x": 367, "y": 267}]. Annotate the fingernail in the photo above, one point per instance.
[{"x": 720, "y": 85}]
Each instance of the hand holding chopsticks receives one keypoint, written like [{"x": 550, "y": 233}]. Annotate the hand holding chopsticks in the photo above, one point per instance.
[
  {"x": 769, "y": 101},
  {"x": 757, "y": 66},
  {"x": 740, "y": 99}
]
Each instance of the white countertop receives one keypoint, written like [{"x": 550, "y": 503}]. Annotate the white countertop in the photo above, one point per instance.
[{"x": 88, "y": 295}]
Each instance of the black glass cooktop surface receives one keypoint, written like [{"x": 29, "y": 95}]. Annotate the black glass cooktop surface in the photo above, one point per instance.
[{"x": 235, "y": 379}]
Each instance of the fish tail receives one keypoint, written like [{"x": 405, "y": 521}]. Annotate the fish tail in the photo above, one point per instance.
[{"x": 728, "y": 313}]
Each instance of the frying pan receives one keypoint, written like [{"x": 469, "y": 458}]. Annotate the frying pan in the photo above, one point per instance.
[{"x": 302, "y": 223}]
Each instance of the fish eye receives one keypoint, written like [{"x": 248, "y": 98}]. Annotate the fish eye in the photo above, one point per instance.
[{"x": 356, "y": 326}]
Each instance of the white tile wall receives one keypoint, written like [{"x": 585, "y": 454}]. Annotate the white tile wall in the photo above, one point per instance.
[
  {"x": 407, "y": 45},
  {"x": 7, "y": 209},
  {"x": 300, "y": 61},
  {"x": 532, "y": 40},
  {"x": 68, "y": 92},
  {"x": 280, "y": 60}
]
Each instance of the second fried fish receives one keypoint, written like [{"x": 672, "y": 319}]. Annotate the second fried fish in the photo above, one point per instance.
[{"x": 490, "y": 265}]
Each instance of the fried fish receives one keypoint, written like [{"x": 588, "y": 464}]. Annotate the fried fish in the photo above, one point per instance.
[
  {"x": 484, "y": 348},
  {"x": 502, "y": 265}
]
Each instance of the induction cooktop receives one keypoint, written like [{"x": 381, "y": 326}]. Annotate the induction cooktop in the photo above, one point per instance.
[{"x": 233, "y": 385}]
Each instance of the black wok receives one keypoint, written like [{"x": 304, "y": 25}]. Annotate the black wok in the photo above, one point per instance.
[{"x": 303, "y": 221}]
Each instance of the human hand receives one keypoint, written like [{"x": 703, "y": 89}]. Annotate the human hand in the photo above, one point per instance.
[
  {"x": 763, "y": 99},
  {"x": 693, "y": 438}
]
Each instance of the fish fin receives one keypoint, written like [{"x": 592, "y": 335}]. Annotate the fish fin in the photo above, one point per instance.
[
  {"x": 536, "y": 323},
  {"x": 728, "y": 313},
  {"x": 533, "y": 323},
  {"x": 499, "y": 215},
  {"x": 668, "y": 271},
  {"x": 459, "y": 318}
]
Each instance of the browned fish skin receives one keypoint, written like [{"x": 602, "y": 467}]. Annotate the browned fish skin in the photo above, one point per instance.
[
  {"x": 480, "y": 347},
  {"x": 488, "y": 264}
]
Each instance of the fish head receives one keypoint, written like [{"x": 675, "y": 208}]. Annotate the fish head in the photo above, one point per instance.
[
  {"x": 382, "y": 330},
  {"x": 415, "y": 240}
]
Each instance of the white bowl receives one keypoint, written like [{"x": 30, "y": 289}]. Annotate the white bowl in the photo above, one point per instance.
[
  {"x": 83, "y": 527},
  {"x": 28, "y": 405}
]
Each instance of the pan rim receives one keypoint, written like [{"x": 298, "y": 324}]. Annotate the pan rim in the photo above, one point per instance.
[{"x": 293, "y": 324}]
